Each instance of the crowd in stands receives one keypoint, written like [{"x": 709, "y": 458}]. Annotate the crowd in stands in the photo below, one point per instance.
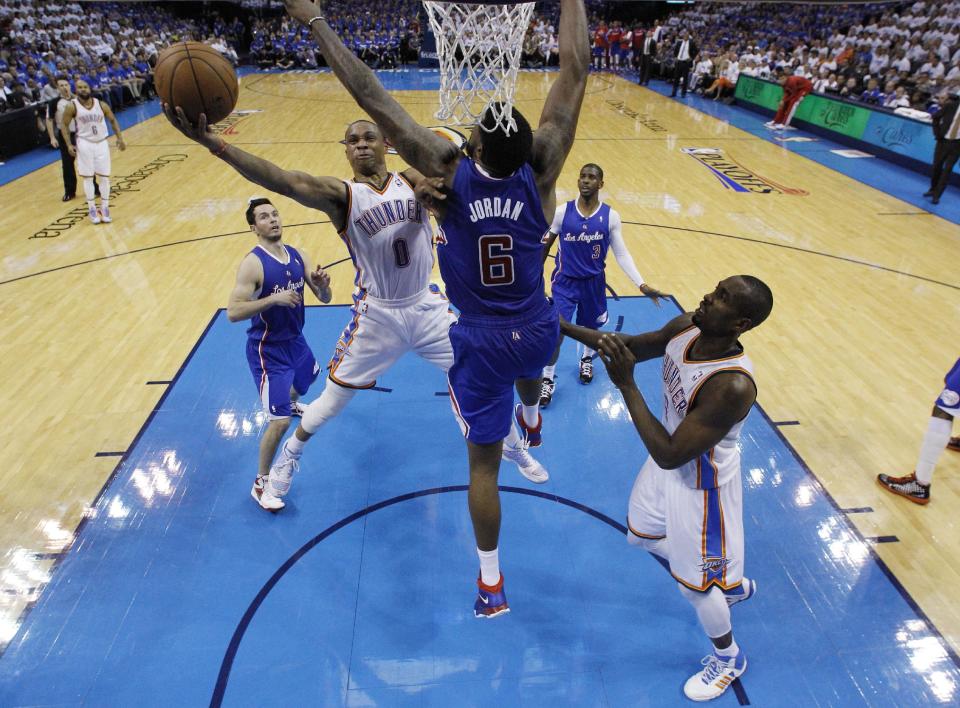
[
  {"x": 892, "y": 55},
  {"x": 384, "y": 33},
  {"x": 111, "y": 46},
  {"x": 889, "y": 55}
]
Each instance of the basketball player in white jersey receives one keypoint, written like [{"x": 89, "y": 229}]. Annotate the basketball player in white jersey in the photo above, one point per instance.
[
  {"x": 686, "y": 505},
  {"x": 396, "y": 309},
  {"x": 92, "y": 153}
]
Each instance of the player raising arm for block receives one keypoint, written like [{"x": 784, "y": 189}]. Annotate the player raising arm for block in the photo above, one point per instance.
[{"x": 501, "y": 199}]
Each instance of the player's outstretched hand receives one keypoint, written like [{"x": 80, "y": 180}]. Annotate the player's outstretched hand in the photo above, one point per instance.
[
  {"x": 286, "y": 298},
  {"x": 302, "y": 10},
  {"x": 653, "y": 293},
  {"x": 618, "y": 359},
  {"x": 199, "y": 133},
  {"x": 429, "y": 192}
]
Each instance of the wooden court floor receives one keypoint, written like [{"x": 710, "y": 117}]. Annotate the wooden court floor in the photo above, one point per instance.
[{"x": 864, "y": 326}]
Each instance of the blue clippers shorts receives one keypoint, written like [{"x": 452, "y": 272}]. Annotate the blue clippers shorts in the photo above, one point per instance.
[
  {"x": 588, "y": 296},
  {"x": 279, "y": 366}
]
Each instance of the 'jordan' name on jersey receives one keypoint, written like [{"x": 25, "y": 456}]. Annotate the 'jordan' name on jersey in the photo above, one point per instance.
[
  {"x": 487, "y": 208},
  {"x": 673, "y": 386},
  {"x": 388, "y": 213}
]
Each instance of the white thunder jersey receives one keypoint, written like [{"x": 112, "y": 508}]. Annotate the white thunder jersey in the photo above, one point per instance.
[
  {"x": 91, "y": 122},
  {"x": 389, "y": 238},
  {"x": 682, "y": 379}
]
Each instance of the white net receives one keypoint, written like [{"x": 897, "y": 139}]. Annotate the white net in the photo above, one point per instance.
[{"x": 479, "y": 51}]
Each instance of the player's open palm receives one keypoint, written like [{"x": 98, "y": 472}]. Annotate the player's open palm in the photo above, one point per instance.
[
  {"x": 286, "y": 298},
  {"x": 618, "y": 359},
  {"x": 653, "y": 294},
  {"x": 198, "y": 133}
]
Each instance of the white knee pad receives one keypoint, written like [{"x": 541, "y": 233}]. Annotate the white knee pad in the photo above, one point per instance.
[
  {"x": 328, "y": 406},
  {"x": 711, "y": 608}
]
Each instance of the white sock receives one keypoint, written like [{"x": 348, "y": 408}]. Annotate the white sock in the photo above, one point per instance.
[
  {"x": 489, "y": 566},
  {"x": 531, "y": 414},
  {"x": 934, "y": 441},
  {"x": 548, "y": 371},
  {"x": 326, "y": 407},
  {"x": 513, "y": 438},
  {"x": 104, "y": 183},
  {"x": 294, "y": 446},
  {"x": 588, "y": 352},
  {"x": 712, "y": 610},
  {"x": 89, "y": 191}
]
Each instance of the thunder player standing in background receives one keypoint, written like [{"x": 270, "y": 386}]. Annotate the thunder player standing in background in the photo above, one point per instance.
[
  {"x": 501, "y": 199},
  {"x": 686, "y": 507},
  {"x": 269, "y": 293},
  {"x": 91, "y": 151},
  {"x": 589, "y": 227}
]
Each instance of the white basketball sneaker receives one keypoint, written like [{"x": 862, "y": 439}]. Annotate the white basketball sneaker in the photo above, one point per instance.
[
  {"x": 261, "y": 493},
  {"x": 717, "y": 675},
  {"x": 281, "y": 473},
  {"x": 105, "y": 215},
  {"x": 94, "y": 215},
  {"x": 747, "y": 589},
  {"x": 529, "y": 467}
]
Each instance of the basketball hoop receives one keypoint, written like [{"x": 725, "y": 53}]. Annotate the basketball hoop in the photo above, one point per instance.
[{"x": 478, "y": 46}]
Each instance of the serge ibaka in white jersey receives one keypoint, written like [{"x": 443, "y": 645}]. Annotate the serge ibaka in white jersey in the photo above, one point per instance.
[
  {"x": 389, "y": 238},
  {"x": 682, "y": 380}
]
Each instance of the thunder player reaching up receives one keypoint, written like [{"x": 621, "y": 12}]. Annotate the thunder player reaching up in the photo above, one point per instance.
[
  {"x": 686, "y": 507},
  {"x": 395, "y": 310},
  {"x": 501, "y": 198},
  {"x": 587, "y": 227},
  {"x": 269, "y": 293}
]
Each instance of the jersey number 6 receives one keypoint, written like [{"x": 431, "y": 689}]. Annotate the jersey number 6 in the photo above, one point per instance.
[{"x": 496, "y": 265}]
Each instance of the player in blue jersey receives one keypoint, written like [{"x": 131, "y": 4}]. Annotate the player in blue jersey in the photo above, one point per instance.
[
  {"x": 269, "y": 293},
  {"x": 587, "y": 228},
  {"x": 916, "y": 485},
  {"x": 500, "y": 200}
]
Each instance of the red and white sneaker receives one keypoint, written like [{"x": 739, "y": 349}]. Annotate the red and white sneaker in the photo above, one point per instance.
[{"x": 264, "y": 497}]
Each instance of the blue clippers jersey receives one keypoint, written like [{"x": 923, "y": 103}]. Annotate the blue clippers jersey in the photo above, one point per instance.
[
  {"x": 584, "y": 241},
  {"x": 279, "y": 324},
  {"x": 489, "y": 246}
]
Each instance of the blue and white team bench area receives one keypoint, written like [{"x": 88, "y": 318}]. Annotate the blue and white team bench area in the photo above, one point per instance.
[{"x": 181, "y": 591}]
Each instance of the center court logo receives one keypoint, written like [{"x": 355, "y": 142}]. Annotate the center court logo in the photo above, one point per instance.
[{"x": 735, "y": 176}]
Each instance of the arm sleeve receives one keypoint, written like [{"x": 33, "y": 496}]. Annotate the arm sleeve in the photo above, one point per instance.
[
  {"x": 620, "y": 252},
  {"x": 558, "y": 219}
]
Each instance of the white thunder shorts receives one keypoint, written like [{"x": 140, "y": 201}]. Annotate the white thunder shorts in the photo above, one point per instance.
[
  {"x": 703, "y": 527},
  {"x": 382, "y": 331},
  {"x": 93, "y": 158}
]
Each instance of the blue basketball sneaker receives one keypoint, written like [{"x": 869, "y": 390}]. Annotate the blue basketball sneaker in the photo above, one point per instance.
[
  {"x": 491, "y": 601},
  {"x": 533, "y": 436}
]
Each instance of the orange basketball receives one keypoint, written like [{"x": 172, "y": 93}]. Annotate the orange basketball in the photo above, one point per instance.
[{"x": 198, "y": 79}]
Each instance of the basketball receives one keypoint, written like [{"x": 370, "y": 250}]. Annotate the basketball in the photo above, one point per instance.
[{"x": 198, "y": 79}]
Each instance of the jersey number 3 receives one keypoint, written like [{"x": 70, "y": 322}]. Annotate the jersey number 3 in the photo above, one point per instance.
[{"x": 496, "y": 265}]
